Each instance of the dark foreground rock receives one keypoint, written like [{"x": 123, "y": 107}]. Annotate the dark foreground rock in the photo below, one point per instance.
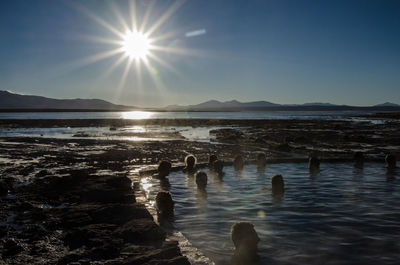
[{"x": 81, "y": 218}]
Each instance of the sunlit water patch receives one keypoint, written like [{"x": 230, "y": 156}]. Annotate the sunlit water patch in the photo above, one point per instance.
[
  {"x": 339, "y": 216},
  {"x": 136, "y": 115},
  {"x": 129, "y": 133}
]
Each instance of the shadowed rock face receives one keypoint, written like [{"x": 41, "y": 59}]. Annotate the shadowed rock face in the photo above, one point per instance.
[
  {"x": 142, "y": 230},
  {"x": 100, "y": 221},
  {"x": 11, "y": 247}
]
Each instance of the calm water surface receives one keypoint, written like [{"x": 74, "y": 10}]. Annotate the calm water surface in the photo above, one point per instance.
[
  {"x": 128, "y": 133},
  {"x": 252, "y": 115},
  {"x": 339, "y": 216}
]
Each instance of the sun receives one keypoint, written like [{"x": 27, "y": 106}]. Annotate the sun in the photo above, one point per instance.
[{"x": 136, "y": 45}]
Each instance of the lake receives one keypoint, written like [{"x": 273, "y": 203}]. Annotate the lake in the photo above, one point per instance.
[
  {"x": 342, "y": 215},
  {"x": 249, "y": 115},
  {"x": 155, "y": 132}
]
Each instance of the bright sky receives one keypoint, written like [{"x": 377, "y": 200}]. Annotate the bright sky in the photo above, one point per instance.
[{"x": 342, "y": 52}]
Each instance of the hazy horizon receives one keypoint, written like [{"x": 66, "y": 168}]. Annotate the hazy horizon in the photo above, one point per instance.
[
  {"x": 211, "y": 99},
  {"x": 284, "y": 52}
]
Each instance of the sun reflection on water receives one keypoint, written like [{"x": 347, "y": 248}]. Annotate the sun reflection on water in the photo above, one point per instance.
[
  {"x": 137, "y": 129},
  {"x": 136, "y": 115},
  {"x": 261, "y": 214},
  {"x": 146, "y": 185}
]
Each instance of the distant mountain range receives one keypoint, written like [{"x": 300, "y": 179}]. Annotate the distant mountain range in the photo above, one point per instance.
[
  {"x": 234, "y": 105},
  {"x": 13, "y": 101},
  {"x": 215, "y": 104},
  {"x": 387, "y": 104},
  {"x": 9, "y": 100}
]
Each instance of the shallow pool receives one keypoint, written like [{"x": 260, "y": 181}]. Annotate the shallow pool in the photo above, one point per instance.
[
  {"x": 341, "y": 215},
  {"x": 128, "y": 133}
]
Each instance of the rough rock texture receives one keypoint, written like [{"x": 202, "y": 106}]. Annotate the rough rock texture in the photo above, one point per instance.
[
  {"x": 70, "y": 201},
  {"x": 82, "y": 217}
]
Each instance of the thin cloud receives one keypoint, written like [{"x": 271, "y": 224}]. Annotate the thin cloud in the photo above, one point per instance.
[{"x": 195, "y": 33}]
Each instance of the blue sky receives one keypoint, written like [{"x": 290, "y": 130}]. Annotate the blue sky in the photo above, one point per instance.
[{"x": 343, "y": 52}]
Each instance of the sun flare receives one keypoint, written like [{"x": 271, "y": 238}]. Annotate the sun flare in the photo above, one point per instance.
[
  {"x": 136, "y": 44},
  {"x": 140, "y": 45}
]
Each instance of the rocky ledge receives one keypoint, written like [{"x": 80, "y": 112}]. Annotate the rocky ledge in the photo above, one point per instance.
[
  {"x": 70, "y": 201},
  {"x": 80, "y": 218}
]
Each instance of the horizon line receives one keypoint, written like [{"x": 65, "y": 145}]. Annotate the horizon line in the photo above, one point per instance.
[{"x": 218, "y": 100}]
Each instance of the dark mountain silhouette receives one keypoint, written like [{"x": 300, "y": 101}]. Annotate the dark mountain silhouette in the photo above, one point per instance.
[
  {"x": 234, "y": 105},
  {"x": 387, "y": 104},
  {"x": 16, "y": 102},
  {"x": 9, "y": 100},
  {"x": 215, "y": 104},
  {"x": 318, "y": 104}
]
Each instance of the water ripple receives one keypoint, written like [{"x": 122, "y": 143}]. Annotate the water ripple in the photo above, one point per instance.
[{"x": 339, "y": 216}]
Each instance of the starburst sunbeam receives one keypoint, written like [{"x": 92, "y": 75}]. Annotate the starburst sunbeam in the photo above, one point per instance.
[
  {"x": 147, "y": 15},
  {"x": 125, "y": 74},
  {"x": 139, "y": 44},
  {"x": 165, "y": 64},
  {"x": 118, "y": 14},
  {"x": 153, "y": 75},
  {"x": 118, "y": 62},
  {"x": 132, "y": 13},
  {"x": 99, "y": 20},
  {"x": 138, "y": 67},
  {"x": 180, "y": 51},
  {"x": 166, "y": 16},
  {"x": 101, "y": 40},
  {"x": 97, "y": 57}
]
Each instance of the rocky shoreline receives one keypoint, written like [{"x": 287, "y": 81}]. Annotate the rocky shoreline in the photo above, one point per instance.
[
  {"x": 80, "y": 216},
  {"x": 72, "y": 201}
]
